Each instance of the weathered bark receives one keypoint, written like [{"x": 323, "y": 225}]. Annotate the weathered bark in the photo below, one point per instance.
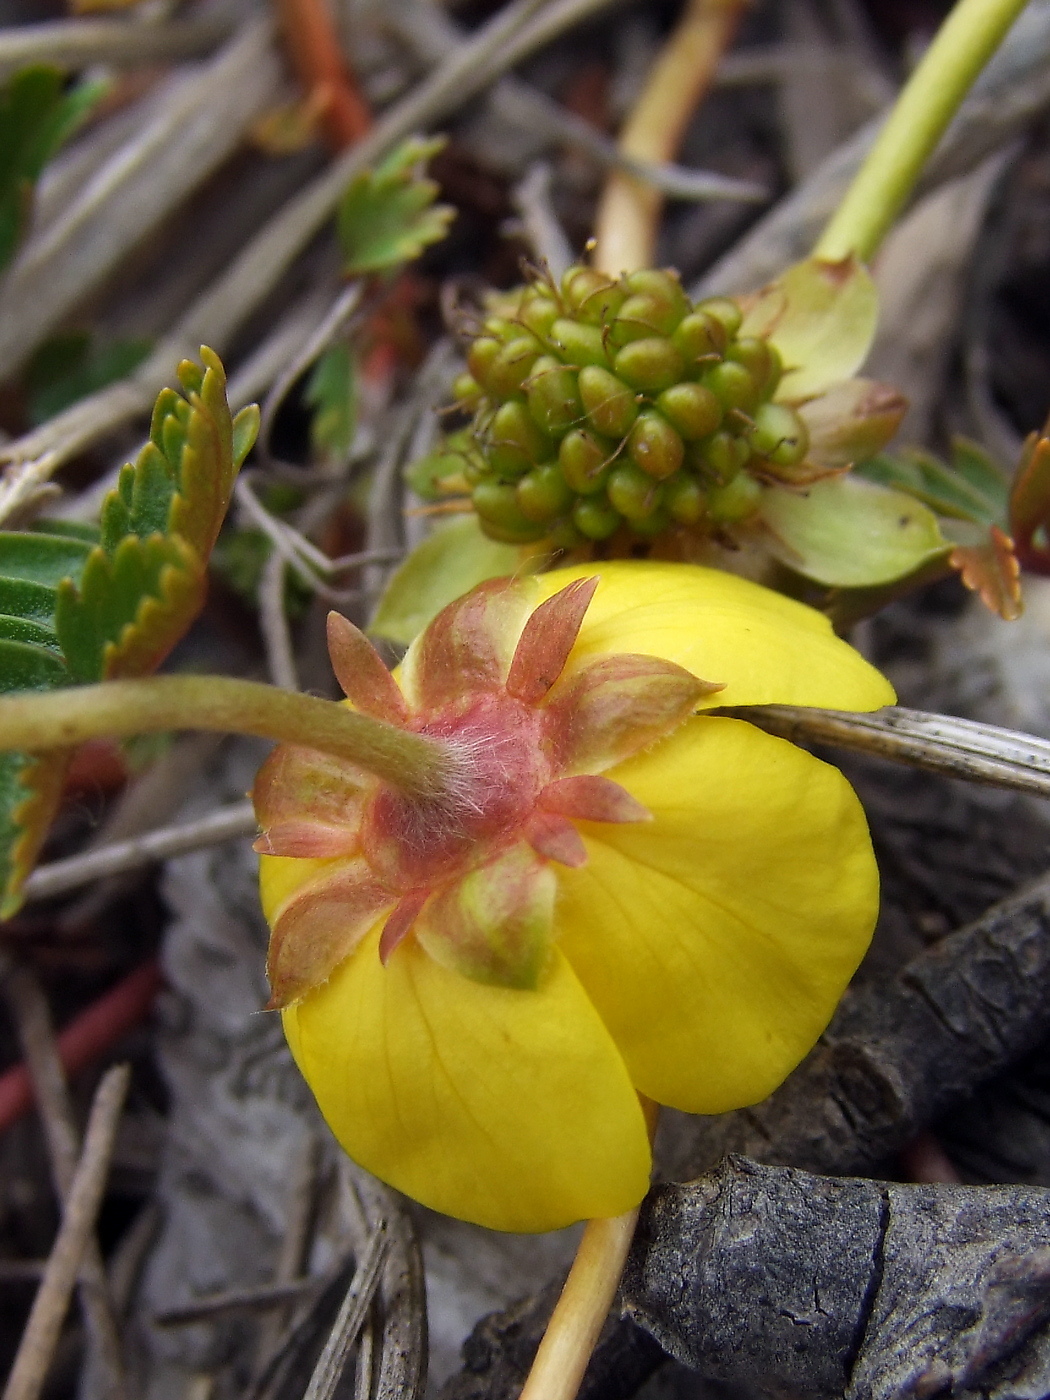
[{"x": 824, "y": 1287}]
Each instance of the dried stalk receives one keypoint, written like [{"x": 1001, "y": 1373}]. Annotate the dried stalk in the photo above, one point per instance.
[
  {"x": 225, "y": 824},
  {"x": 196, "y": 128},
  {"x": 40, "y": 1337},
  {"x": 350, "y": 1319},
  {"x": 79, "y": 43},
  {"x": 32, "y": 1017},
  {"x": 266, "y": 1295},
  {"x": 959, "y": 748},
  {"x": 221, "y": 309}
]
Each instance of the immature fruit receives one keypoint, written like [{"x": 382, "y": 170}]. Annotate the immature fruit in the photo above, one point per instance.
[{"x": 614, "y": 404}]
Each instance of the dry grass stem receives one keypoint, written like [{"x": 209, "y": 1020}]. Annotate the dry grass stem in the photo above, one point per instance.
[{"x": 29, "y": 1371}]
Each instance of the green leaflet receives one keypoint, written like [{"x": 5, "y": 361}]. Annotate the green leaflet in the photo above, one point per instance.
[
  {"x": 36, "y": 116},
  {"x": 331, "y": 391},
  {"x": 79, "y": 604},
  {"x": 388, "y": 215}
]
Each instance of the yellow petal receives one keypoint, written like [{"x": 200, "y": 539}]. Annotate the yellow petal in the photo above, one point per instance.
[
  {"x": 509, "y": 1108},
  {"x": 716, "y": 940},
  {"x": 768, "y": 649}
]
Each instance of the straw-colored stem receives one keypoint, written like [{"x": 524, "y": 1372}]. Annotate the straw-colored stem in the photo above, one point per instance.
[
  {"x": 961, "y": 48},
  {"x": 629, "y": 210},
  {"x": 584, "y": 1304},
  {"x": 62, "y": 719}
]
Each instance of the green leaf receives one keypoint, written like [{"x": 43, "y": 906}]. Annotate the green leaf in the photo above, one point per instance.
[
  {"x": 36, "y": 116},
  {"x": 70, "y": 366},
  {"x": 451, "y": 561},
  {"x": 849, "y": 533},
  {"x": 388, "y": 216},
  {"x": 821, "y": 316},
  {"x": 331, "y": 392},
  {"x": 970, "y": 488},
  {"x": 80, "y": 604}
]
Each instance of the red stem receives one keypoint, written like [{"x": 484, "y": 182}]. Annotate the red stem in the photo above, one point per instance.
[{"x": 87, "y": 1037}]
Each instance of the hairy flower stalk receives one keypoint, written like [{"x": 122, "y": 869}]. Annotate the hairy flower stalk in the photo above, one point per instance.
[{"x": 620, "y": 895}]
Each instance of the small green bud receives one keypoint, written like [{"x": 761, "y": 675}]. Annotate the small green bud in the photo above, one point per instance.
[
  {"x": 684, "y": 499},
  {"x": 690, "y": 408},
  {"x": 595, "y": 518},
  {"x": 634, "y": 494},
  {"x": 662, "y": 285},
  {"x": 538, "y": 313},
  {"x": 512, "y": 442},
  {"x": 720, "y": 457},
  {"x": 496, "y": 503},
  {"x": 650, "y": 365},
  {"x": 590, "y": 295},
  {"x": 480, "y": 357},
  {"x": 736, "y": 500},
  {"x": 578, "y": 344},
  {"x": 641, "y": 316},
  {"x": 564, "y": 534},
  {"x": 474, "y": 469},
  {"x": 652, "y": 525},
  {"x": 553, "y": 400},
  {"x": 585, "y": 461},
  {"x": 756, "y": 357},
  {"x": 723, "y": 309},
  {"x": 543, "y": 494},
  {"x": 609, "y": 403},
  {"x": 732, "y": 384},
  {"x": 779, "y": 435},
  {"x": 465, "y": 388},
  {"x": 655, "y": 446},
  {"x": 512, "y": 365},
  {"x": 699, "y": 337},
  {"x": 501, "y": 328}
]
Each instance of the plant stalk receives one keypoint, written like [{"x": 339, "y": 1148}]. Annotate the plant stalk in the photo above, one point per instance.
[
  {"x": 580, "y": 1312},
  {"x": 963, "y": 45},
  {"x": 62, "y": 719},
  {"x": 629, "y": 210}
]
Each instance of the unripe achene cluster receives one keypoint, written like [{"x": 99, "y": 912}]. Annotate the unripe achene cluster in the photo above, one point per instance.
[{"x": 602, "y": 403}]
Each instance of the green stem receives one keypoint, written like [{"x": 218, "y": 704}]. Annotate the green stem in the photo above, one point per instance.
[
  {"x": 961, "y": 48},
  {"x": 62, "y": 719}
]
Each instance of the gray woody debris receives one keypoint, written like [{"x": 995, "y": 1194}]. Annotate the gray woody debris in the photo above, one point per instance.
[{"x": 826, "y": 1287}]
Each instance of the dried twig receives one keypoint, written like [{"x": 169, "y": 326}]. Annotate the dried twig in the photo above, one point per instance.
[
  {"x": 959, "y": 748},
  {"x": 37, "y": 1346},
  {"x": 225, "y": 824},
  {"x": 273, "y": 623},
  {"x": 32, "y": 1017},
  {"x": 351, "y": 1316},
  {"x": 266, "y": 1295}
]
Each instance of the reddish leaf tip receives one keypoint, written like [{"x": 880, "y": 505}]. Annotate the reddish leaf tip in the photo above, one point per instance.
[{"x": 547, "y": 639}]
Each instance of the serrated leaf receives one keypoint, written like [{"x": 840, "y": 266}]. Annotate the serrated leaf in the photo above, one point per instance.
[
  {"x": 388, "y": 216},
  {"x": 331, "y": 391},
  {"x": 448, "y": 563},
  {"x": 79, "y": 605},
  {"x": 36, "y": 116},
  {"x": 963, "y": 490},
  {"x": 850, "y": 533},
  {"x": 991, "y": 569}
]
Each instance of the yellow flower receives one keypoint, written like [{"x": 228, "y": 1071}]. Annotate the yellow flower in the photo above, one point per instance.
[{"x": 476, "y": 1002}]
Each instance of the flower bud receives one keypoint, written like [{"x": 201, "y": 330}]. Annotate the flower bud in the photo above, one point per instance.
[
  {"x": 692, "y": 409},
  {"x": 480, "y": 357},
  {"x": 650, "y": 364},
  {"x": 496, "y": 503},
  {"x": 663, "y": 286},
  {"x": 655, "y": 446},
  {"x": 595, "y": 518},
  {"x": 720, "y": 457},
  {"x": 634, "y": 494},
  {"x": 684, "y": 499},
  {"x": 538, "y": 312},
  {"x": 592, "y": 296},
  {"x": 553, "y": 400},
  {"x": 512, "y": 442},
  {"x": 609, "y": 403},
  {"x": 511, "y": 367},
  {"x": 643, "y": 315},
  {"x": 699, "y": 338},
  {"x": 732, "y": 384},
  {"x": 736, "y": 500},
  {"x": 584, "y": 461},
  {"x": 543, "y": 494},
  {"x": 725, "y": 310},
  {"x": 466, "y": 389},
  {"x": 779, "y": 435},
  {"x": 578, "y": 344}
]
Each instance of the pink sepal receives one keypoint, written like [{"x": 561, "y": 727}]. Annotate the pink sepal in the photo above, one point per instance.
[
  {"x": 556, "y": 838},
  {"x": 361, "y": 673},
  {"x": 308, "y": 840},
  {"x": 547, "y": 639},
  {"x": 400, "y": 921},
  {"x": 592, "y": 799}
]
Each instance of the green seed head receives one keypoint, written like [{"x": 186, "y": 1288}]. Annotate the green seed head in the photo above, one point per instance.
[{"x": 614, "y": 404}]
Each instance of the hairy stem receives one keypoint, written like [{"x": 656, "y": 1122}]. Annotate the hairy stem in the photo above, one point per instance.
[
  {"x": 584, "y": 1304},
  {"x": 629, "y": 210},
  {"x": 963, "y": 45},
  {"x": 61, "y": 719}
]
